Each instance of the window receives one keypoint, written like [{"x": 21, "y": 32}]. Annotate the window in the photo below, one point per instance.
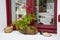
[{"x": 45, "y": 11}]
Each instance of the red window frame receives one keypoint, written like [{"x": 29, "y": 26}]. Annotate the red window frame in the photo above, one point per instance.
[{"x": 30, "y": 9}]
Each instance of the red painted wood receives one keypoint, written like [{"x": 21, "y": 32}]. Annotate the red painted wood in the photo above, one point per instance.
[
  {"x": 8, "y": 10},
  {"x": 30, "y": 6},
  {"x": 45, "y": 30},
  {"x": 55, "y": 13},
  {"x": 46, "y": 27},
  {"x": 58, "y": 18}
]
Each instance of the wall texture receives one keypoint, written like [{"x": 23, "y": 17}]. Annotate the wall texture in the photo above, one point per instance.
[{"x": 3, "y": 21}]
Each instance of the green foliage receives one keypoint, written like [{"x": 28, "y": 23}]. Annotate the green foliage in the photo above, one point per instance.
[{"x": 26, "y": 20}]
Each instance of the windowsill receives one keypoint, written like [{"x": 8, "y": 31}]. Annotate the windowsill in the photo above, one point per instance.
[{"x": 16, "y": 35}]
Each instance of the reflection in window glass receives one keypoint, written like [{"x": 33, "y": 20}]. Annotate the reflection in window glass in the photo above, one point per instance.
[
  {"x": 42, "y": 5},
  {"x": 20, "y": 8},
  {"x": 45, "y": 11}
]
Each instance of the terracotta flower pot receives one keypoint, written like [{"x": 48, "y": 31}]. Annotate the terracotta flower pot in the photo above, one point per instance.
[{"x": 30, "y": 30}]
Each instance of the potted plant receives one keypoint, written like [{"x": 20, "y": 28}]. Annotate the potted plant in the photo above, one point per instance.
[{"x": 25, "y": 25}]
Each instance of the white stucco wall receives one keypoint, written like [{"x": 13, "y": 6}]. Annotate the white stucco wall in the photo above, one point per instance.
[
  {"x": 16, "y": 35},
  {"x": 2, "y": 14}
]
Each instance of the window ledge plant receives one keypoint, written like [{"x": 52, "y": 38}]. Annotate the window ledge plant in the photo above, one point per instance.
[{"x": 26, "y": 25}]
